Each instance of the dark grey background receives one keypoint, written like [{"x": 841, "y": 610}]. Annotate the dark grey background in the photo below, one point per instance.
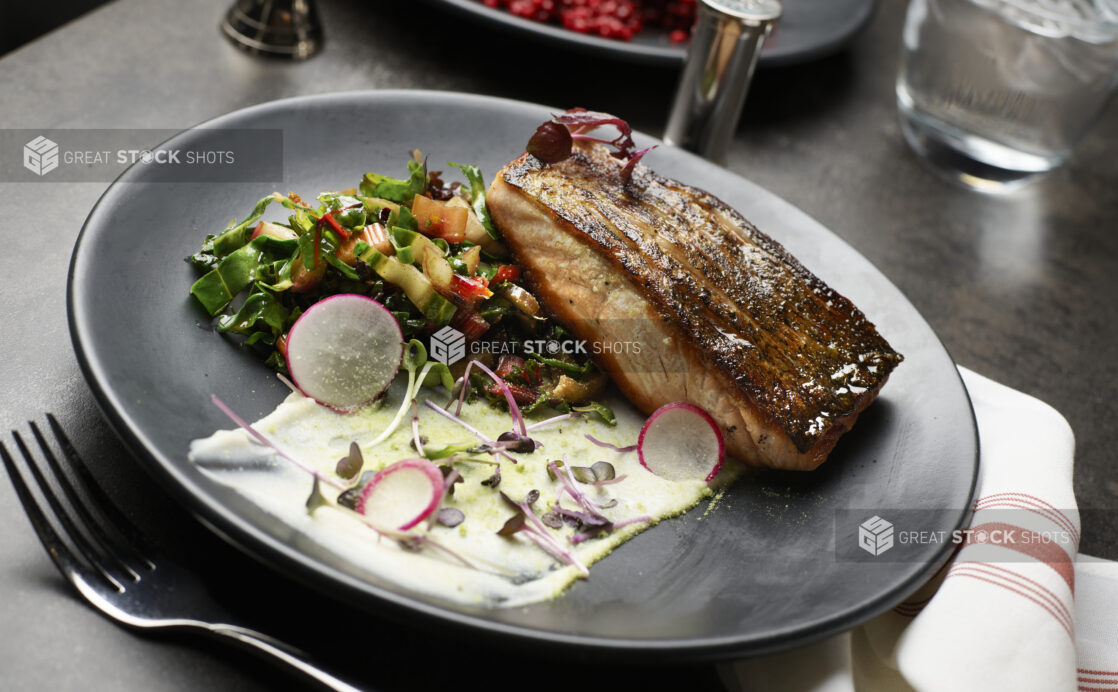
[{"x": 1020, "y": 288}]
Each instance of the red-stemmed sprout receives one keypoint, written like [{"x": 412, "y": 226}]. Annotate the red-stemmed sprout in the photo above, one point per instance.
[
  {"x": 590, "y": 518},
  {"x": 553, "y": 141},
  {"x": 488, "y": 446},
  {"x": 514, "y": 410},
  {"x": 403, "y": 537},
  {"x": 527, "y": 523},
  {"x": 556, "y": 419},
  {"x": 623, "y": 450},
  {"x": 256, "y": 435}
]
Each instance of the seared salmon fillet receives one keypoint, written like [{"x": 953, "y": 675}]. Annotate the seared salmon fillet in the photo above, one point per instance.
[{"x": 683, "y": 299}]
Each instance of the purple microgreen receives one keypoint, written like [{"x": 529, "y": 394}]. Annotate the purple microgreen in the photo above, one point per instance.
[
  {"x": 417, "y": 439},
  {"x": 553, "y": 469},
  {"x": 514, "y": 410},
  {"x": 451, "y": 477},
  {"x": 288, "y": 383},
  {"x": 268, "y": 443},
  {"x": 350, "y": 465},
  {"x": 549, "y": 421},
  {"x": 583, "y": 518},
  {"x": 551, "y": 142},
  {"x": 563, "y": 474},
  {"x": 603, "y": 471},
  {"x": 450, "y": 517},
  {"x": 610, "y": 481},
  {"x": 623, "y": 450},
  {"x": 518, "y": 443},
  {"x": 527, "y": 523},
  {"x": 635, "y": 520},
  {"x": 631, "y": 162},
  {"x": 583, "y": 474},
  {"x": 350, "y": 497},
  {"x": 550, "y": 145},
  {"x": 593, "y": 531},
  {"x": 488, "y": 446},
  {"x": 552, "y": 520},
  {"x": 494, "y": 480},
  {"x": 514, "y": 524},
  {"x": 315, "y": 500},
  {"x": 411, "y": 541}
]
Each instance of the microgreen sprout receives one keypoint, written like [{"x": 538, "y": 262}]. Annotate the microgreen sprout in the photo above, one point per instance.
[
  {"x": 623, "y": 450},
  {"x": 350, "y": 465},
  {"x": 415, "y": 359},
  {"x": 526, "y": 522},
  {"x": 553, "y": 141},
  {"x": 514, "y": 410},
  {"x": 488, "y": 446},
  {"x": 268, "y": 443},
  {"x": 549, "y": 421},
  {"x": 450, "y": 517}
]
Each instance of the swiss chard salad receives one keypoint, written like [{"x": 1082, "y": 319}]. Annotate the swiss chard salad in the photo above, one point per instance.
[{"x": 424, "y": 248}]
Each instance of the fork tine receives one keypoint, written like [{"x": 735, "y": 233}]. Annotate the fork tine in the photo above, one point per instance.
[
  {"x": 63, "y": 517},
  {"x": 114, "y": 548},
  {"x": 97, "y": 495},
  {"x": 61, "y": 555}
]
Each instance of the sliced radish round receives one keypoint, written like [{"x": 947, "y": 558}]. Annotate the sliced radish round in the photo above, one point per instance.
[
  {"x": 344, "y": 350},
  {"x": 680, "y": 441},
  {"x": 402, "y": 494}
]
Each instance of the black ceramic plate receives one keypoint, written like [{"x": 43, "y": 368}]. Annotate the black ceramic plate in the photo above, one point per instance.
[
  {"x": 809, "y": 29},
  {"x": 761, "y": 572}
]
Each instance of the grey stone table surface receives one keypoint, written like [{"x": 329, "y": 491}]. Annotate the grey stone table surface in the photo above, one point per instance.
[{"x": 1022, "y": 288}]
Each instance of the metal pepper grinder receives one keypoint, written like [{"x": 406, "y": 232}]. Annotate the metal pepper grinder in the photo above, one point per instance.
[
  {"x": 725, "y": 45},
  {"x": 281, "y": 28}
]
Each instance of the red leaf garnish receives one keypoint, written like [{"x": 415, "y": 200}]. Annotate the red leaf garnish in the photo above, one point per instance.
[{"x": 552, "y": 141}]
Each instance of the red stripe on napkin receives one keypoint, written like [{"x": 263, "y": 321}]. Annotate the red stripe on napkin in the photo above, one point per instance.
[
  {"x": 1038, "y": 506},
  {"x": 1032, "y": 544},
  {"x": 978, "y": 571}
]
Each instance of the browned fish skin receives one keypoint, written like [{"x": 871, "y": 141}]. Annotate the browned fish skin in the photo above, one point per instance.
[{"x": 729, "y": 319}]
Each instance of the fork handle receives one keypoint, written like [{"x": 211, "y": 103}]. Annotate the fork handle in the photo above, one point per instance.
[{"x": 277, "y": 650}]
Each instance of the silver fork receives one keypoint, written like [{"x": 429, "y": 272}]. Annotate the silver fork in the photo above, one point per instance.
[{"x": 117, "y": 569}]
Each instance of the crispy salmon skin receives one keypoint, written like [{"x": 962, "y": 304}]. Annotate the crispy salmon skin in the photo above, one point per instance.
[{"x": 683, "y": 299}]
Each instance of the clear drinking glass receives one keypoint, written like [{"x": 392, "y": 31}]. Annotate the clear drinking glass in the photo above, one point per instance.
[{"x": 995, "y": 92}]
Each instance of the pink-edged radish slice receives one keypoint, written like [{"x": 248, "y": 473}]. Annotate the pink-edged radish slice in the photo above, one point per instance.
[
  {"x": 680, "y": 442},
  {"x": 344, "y": 351},
  {"x": 402, "y": 494}
]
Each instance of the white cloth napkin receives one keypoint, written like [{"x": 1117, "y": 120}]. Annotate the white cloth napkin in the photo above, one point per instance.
[{"x": 1017, "y": 610}]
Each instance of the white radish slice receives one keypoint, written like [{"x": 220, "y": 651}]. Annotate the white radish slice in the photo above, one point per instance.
[
  {"x": 402, "y": 494},
  {"x": 680, "y": 441},
  {"x": 344, "y": 351}
]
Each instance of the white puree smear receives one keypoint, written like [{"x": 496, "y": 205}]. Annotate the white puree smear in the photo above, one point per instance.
[{"x": 508, "y": 571}]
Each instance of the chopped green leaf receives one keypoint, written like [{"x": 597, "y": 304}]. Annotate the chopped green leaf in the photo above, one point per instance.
[{"x": 477, "y": 196}]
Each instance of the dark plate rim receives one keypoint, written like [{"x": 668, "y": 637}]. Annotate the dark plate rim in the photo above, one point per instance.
[
  {"x": 665, "y": 55},
  {"x": 230, "y": 527}
]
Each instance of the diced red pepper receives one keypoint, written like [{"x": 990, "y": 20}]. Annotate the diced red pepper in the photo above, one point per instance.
[
  {"x": 521, "y": 393},
  {"x": 469, "y": 289},
  {"x": 471, "y": 324},
  {"x": 507, "y": 272},
  {"x": 508, "y": 364},
  {"x": 532, "y": 372}
]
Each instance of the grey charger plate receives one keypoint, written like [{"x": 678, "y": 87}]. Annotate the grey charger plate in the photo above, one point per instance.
[
  {"x": 808, "y": 29},
  {"x": 775, "y": 564}
]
